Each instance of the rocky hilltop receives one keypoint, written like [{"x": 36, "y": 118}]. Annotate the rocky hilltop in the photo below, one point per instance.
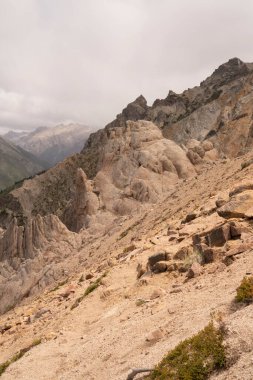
[
  {"x": 154, "y": 218},
  {"x": 52, "y": 145}
]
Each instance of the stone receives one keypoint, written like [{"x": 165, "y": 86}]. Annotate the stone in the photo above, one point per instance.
[
  {"x": 235, "y": 230},
  {"x": 239, "y": 249},
  {"x": 157, "y": 293},
  {"x": 182, "y": 253},
  {"x": 241, "y": 187},
  {"x": 207, "y": 145},
  {"x": 172, "y": 267},
  {"x": 156, "y": 257},
  {"x": 159, "y": 267},
  {"x": 140, "y": 270},
  {"x": 194, "y": 271},
  {"x": 218, "y": 236},
  {"x": 155, "y": 336},
  {"x": 190, "y": 217},
  {"x": 171, "y": 232},
  {"x": 240, "y": 205},
  {"x": 209, "y": 254},
  {"x": 194, "y": 157},
  {"x": 220, "y": 201}
]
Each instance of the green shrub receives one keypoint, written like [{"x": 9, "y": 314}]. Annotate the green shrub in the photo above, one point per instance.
[
  {"x": 130, "y": 248},
  {"x": 94, "y": 285},
  {"x": 245, "y": 164},
  {"x": 18, "y": 356},
  {"x": 244, "y": 293},
  {"x": 195, "y": 358}
]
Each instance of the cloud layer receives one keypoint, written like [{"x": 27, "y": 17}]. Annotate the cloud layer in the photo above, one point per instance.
[{"x": 85, "y": 60}]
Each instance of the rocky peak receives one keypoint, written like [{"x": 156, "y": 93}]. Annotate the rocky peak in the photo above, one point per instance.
[
  {"x": 135, "y": 110},
  {"x": 227, "y": 72}
]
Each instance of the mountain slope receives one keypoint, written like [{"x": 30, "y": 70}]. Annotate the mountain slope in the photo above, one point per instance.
[
  {"x": 16, "y": 164},
  {"x": 53, "y": 144},
  {"x": 139, "y": 240}
]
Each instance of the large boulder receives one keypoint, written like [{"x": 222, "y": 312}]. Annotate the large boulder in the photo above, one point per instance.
[{"x": 239, "y": 205}]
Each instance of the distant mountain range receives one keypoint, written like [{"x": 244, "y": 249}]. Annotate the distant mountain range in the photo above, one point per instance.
[
  {"x": 51, "y": 145},
  {"x": 16, "y": 164}
]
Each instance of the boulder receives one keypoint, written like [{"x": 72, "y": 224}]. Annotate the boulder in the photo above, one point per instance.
[
  {"x": 218, "y": 236},
  {"x": 182, "y": 253},
  {"x": 240, "y": 205},
  {"x": 239, "y": 249},
  {"x": 207, "y": 145},
  {"x": 194, "y": 157},
  {"x": 156, "y": 257},
  {"x": 159, "y": 267},
  {"x": 194, "y": 271},
  {"x": 235, "y": 230},
  {"x": 189, "y": 217}
]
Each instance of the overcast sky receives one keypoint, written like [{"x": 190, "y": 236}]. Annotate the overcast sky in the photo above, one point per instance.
[{"x": 84, "y": 60}]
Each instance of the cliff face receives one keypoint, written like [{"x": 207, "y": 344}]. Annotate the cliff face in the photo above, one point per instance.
[{"x": 29, "y": 254}]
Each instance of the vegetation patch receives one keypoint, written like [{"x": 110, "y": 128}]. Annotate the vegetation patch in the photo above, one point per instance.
[
  {"x": 93, "y": 286},
  {"x": 244, "y": 293},
  {"x": 124, "y": 233},
  {"x": 245, "y": 164},
  {"x": 59, "y": 285},
  {"x": 18, "y": 356},
  {"x": 195, "y": 358},
  {"x": 130, "y": 248}
]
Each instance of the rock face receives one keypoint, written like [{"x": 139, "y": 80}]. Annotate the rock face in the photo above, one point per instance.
[
  {"x": 85, "y": 204},
  {"x": 137, "y": 165},
  {"x": 16, "y": 164},
  {"x": 219, "y": 110},
  {"x": 26, "y": 255},
  {"x": 52, "y": 145}
]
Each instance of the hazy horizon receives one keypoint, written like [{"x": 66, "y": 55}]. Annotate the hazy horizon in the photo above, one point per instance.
[{"x": 85, "y": 61}]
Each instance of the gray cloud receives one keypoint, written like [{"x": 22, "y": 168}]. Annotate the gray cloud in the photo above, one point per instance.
[{"x": 84, "y": 60}]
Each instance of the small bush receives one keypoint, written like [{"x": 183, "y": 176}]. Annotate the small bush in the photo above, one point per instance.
[
  {"x": 244, "y": 293},
  {"x": 195, "y": 358},
  {"x": 18, "y": 356},
  {"x": 247, "y": 163},
  {"x": 59, "y": 285},
  {"x": 130, "y": 248},
  {"x": 94, "y": 285}
]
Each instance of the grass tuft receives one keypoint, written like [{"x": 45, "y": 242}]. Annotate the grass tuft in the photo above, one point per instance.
[
  {"x": 93, "y": 286},
  {"x": 18, "y": 356}
]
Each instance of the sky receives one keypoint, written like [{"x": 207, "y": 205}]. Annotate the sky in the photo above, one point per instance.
[{"x": 85, "y": 60}]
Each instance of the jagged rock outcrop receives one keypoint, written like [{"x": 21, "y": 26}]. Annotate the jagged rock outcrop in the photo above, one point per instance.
[
  {"x": 84, "y": 204},
  {"x": 219, "y": 110},
  {"x": 137, "y": 165},
  {"x": 27, "y": 253}
]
